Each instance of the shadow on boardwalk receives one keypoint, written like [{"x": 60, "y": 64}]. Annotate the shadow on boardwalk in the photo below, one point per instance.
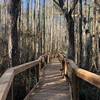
[{"x": 53, "y": 87}]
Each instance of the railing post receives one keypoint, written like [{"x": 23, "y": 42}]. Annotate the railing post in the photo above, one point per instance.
[
  {"x": 39, "y": 68},
  {"x": 73, "y": 82},
  {"x": 75, "y": 90},
  {"x": 12, "y": 88},
  {"x": 62, "y": 67},
  {"x": 65, "y": 68},
  {"x": 48, "y": 58},
  {"x": 37, "y": 72}
]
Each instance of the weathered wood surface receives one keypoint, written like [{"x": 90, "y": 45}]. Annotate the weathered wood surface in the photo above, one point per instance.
[
  {"x": 73, "y": 72},
  {"x": 53, "y": 87},
  {"x": 7, "y": 78},
  {"x": 5, "y": 83},
  {"x": 88, "y": 76}
]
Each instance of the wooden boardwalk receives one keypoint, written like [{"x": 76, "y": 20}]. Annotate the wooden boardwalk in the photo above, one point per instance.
[{"x": 53, "y": 86}]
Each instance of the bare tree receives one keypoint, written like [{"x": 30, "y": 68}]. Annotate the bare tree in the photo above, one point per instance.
[{"x": 70, "y": 22}]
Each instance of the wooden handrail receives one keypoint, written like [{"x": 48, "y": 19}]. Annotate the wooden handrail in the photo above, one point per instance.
[
  {"x": 23, "y": 67},
  {"x": 73, "y": 72},
  {"x": 88, "y": 76},
  {"x": 7, "y": 78},
  {"x": 5, "y": 83}
]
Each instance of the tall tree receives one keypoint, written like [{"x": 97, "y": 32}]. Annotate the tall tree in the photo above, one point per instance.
[
  {"x": 44, "y": 26},
  {"x": 39, "y": 30},
  {"x": 28, "y": 11},
  {"x": 14, "y": 13},
  {"x": 80, "y": 33},
  {"x": 34, "y": 28},
  {"x": 70, "y": 21},
  {"x": 94, "y": 39}
]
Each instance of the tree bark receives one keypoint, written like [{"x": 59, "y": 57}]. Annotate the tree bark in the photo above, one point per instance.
[
  {"x": 80, "y": 34},
  {"x": 14, "y": 13},
  {"x": 71, "y": 49},
  {"x": 70, "y": 22},
  {"x": 28, "y": 8},
  {"x": 44, "y": 27}
]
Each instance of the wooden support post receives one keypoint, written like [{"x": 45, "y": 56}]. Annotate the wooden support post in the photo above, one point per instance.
[
  {"x": 44, "y": 61},
  {"x": 73, "y": 82},
  {"x": 65, "y": 69},
  {"x": 48, "y": 58},
  {"x": 12, "y": 92},
  {"x": 62, "y": 67},
  {"x": 40, "y": 64},
  {"x": 37, "y": 72}
]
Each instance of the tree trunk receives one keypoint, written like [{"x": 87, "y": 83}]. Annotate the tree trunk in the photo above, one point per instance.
[
  {"x": 44, "y": 27},
  {"x": 34, "y": 29},
  {"x": 14, "y": 13},
  {"x": 71, "y": 49},
  {"x": 28, "y": 5},
  {"x": 70, "y": 22},
  {"x": 80, "y": 34},
  {"x": 94, "y": 39},
  {"x": 39, "y": 30}
]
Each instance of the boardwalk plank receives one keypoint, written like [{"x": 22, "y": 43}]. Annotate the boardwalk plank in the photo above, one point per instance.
[{"x": 54, "y": 87}]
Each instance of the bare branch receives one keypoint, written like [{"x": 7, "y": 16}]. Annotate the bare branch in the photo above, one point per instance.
[
  {"x": 73, "y": 6},
  {"x": 60, "y": 3},
  {"x": 57, "y": 3}
]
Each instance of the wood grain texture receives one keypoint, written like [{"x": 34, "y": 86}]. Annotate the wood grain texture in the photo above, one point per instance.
[
  {"x": 53, "y": 85},
  {"x": 7, "y": 78}
]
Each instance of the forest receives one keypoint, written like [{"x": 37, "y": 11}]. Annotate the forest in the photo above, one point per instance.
[{"x": 31, "y": 28}]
